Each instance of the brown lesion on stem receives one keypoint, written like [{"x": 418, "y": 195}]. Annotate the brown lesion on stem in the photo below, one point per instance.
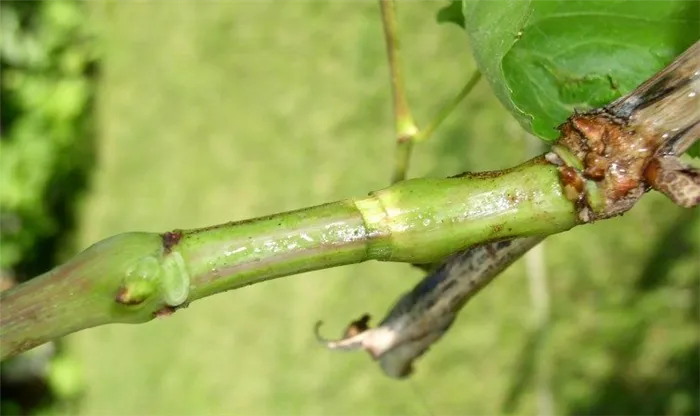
[
  {"x": 679, "y": 182},
  {"x": 572, "y": 183},
  {"x": 170, "y": 239},
  {"x": 632, "y": 145},
  {"x": 167, "y": 310},
  {"x": 614, "y": 156},
  {"x": 127, "y": 297},
  {"x": 164, "y": 312}
]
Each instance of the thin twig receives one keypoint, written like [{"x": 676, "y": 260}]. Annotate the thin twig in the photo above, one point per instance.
[
  {"x": 405, "y": 125},
  {"x": 407, "y": 132},
  {"x": 448, "y": 108}
]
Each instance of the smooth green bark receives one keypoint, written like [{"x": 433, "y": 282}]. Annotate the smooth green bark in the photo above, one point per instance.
[{"x": 135, "y": 276}]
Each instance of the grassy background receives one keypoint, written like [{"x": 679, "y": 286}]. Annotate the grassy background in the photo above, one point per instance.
[{"x": 217, "y": 111}]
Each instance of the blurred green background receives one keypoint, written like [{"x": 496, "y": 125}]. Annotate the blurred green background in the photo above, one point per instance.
[{"x": 197, "y": 113}]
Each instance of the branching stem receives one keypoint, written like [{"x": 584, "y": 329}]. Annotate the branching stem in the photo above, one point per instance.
[
  {"x": 404, "y": 124},
  {"x": 407, "y": 132}
]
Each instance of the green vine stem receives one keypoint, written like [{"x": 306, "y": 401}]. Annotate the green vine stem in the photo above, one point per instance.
[{"x": 134, "y": 277}]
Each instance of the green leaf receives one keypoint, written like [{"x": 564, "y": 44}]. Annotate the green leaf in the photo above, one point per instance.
[
  {"x": 545, "y": 58},
  {"x": 452, "y": 13},
  {"x": 694, "y": 150}
]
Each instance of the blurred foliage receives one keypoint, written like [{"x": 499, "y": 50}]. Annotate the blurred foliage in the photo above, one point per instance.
[
  {"x": 47, "y": 63},
  {"x": 47, "y": 58}
]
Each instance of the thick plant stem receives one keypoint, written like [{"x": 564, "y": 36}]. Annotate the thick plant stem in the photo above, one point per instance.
[
  {"x": 419, "y": 220},
  {"x": 136, "y": 276}
]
